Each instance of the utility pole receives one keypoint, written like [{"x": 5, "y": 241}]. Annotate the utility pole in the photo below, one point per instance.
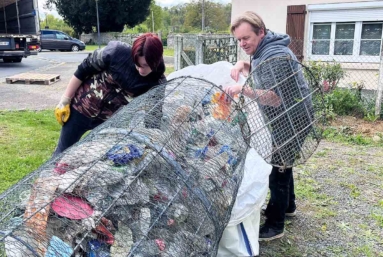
[
  {"x": 203, "y": 15},
  {"x": 378, "y": 104},
  {"x": 98, "y": 26},
  {"x": 46, "y": 21},
  {"x": 152, "y": 22}
]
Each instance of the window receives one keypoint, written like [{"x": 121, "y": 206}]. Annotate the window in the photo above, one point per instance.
[
  {"x": 371, "y": 39},
  {"x": 48, "y": 34},
  {"x": 61, "y": 36},
  {"x": 346, "y": 41},
  {"x": 321, "y": 39}
]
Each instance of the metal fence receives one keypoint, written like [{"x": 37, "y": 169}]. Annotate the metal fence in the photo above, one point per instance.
[
  {"x": 360, "y": 64},
  {"x": 205, "y": 50},
  {"x": 219, "y": 49}
]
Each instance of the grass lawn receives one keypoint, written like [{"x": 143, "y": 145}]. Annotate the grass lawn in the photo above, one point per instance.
[
  {"x": 27, "y": 139},
  {"x": 167, "y": 52},
  {"x": 169, "y": 69},
  {"x": 92, "y": 47}
]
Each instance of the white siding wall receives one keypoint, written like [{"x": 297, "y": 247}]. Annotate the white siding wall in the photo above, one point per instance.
[{"x": 274, "y": 12}]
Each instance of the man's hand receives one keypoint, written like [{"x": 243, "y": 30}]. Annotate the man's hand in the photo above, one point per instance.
[
  {"x": 62, "y": 110},
  {"x": 237, "y": 69},
  {"x": 233, "y": 90}
]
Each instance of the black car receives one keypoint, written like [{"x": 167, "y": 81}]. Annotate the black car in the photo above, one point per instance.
[{"x": 58, "y": 40}]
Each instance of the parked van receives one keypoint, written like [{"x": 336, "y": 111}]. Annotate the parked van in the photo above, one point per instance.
[{"x": 58, "y": 40}]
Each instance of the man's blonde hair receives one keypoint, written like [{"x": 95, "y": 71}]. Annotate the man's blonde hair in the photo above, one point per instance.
[{"x": 252, "y": 18}]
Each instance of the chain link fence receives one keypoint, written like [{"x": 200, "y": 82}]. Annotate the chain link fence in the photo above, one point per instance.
[
  {"x": 340, "y": 61},
  {"x": 348, "y": 64}
]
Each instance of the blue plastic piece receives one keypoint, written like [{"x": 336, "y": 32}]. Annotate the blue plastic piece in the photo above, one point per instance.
[
  {"x": 123, "y": 154},
  {"x": 98, "y": 249},
  {"x": 58, "y": 248}
]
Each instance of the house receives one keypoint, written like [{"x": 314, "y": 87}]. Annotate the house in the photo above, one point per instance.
[{"x": 345, "y": 31}]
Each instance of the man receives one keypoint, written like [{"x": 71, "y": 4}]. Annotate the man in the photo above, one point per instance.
[{"x": 261, "y": 44}]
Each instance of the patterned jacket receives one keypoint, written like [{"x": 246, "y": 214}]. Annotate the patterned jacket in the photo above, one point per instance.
[{"x": 110, "y": 80}]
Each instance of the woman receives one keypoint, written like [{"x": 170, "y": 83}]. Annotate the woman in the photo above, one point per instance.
[{"x": 104, "y": 82}]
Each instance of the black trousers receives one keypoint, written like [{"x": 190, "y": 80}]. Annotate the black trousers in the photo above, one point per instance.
[
  {"x": 74, "y": 129},
  {"x": 282, "y": 197}
]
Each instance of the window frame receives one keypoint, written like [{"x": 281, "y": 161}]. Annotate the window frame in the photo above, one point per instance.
[{"x": 355, "y": 57}]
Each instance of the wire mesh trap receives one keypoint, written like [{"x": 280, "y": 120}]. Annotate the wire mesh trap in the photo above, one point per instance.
[
  {"x": 286, "y": 113},
  {"x": 159, "y": 178}
]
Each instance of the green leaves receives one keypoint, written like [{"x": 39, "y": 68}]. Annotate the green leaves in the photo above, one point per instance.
[{"x": 113, "y": 14}]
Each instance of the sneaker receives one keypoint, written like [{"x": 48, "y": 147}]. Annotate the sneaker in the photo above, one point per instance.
[
  {"x": 267, "y": 233},
  {"x": 289, "y": 213}
]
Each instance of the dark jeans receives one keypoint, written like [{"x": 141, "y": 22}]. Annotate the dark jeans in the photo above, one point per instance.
[
  {"x": 282, "y": 197},
  {"x": 74, "y": 129}
]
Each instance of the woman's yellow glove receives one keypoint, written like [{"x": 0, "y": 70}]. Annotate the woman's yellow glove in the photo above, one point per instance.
[{"x": 62, "y": 110}]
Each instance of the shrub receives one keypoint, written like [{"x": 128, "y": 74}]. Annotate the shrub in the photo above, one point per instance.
[
  {"x": 344, "y": 102},
  {"x": 328, "y": 74}
]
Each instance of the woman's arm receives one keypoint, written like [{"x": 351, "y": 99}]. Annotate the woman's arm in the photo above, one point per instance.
[{"x": 73, "y": 85}]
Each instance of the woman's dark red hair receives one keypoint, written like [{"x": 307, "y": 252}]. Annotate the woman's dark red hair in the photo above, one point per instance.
[{"x": 149, "y": 46}]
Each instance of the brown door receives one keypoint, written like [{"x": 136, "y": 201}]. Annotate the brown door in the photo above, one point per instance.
[{"x": 295, "y": 28}]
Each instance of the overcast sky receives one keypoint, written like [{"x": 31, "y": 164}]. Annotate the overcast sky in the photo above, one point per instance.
[
  {"x": 167, "y": 3},
  {"x": 163, "y": 3}
]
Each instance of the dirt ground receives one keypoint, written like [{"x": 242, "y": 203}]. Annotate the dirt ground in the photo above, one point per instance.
[
  {"x": 359, "y": 126},
  {"x": 339, "y": 198}
]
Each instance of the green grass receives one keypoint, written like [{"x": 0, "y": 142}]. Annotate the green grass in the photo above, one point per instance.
[
  {"x": 169, "y": 69},
  {"x": 27, "y": 140},
  {"x": 92, "y": 47},
  {"x": 168, "y": 52},
  {"x": 341, "y": 135}
]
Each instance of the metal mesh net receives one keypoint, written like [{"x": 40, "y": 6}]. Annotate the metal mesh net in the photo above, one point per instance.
[
  {"x": 286, "y": 114},
  {"x": 159, "y": 178}
]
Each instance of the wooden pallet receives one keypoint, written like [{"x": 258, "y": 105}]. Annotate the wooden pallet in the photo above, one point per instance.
[{"x": 33, "y": 78}]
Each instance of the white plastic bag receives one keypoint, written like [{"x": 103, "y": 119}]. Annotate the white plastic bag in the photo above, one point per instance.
[
  {"x": 217, "y": 73},
  {"x": 240, "y": 237},
  {"x": 253, "y": 190}
]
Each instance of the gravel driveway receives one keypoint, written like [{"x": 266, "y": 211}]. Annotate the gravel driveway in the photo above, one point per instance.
[{"x": 39, "y": 97}]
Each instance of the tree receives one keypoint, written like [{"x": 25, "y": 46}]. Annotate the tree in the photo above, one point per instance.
[
  {"x": 177, "y": 14},
  {"x": 167, "y": 20},
  {"x": 113, "y": 14},
  {"x": 215, "y": 15},
  {"x": 53, "y": 22},
  {"x": 216, "y": 18},
  {"x": 157, "y": 15},
  {"x": 228, "y": 13}
]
